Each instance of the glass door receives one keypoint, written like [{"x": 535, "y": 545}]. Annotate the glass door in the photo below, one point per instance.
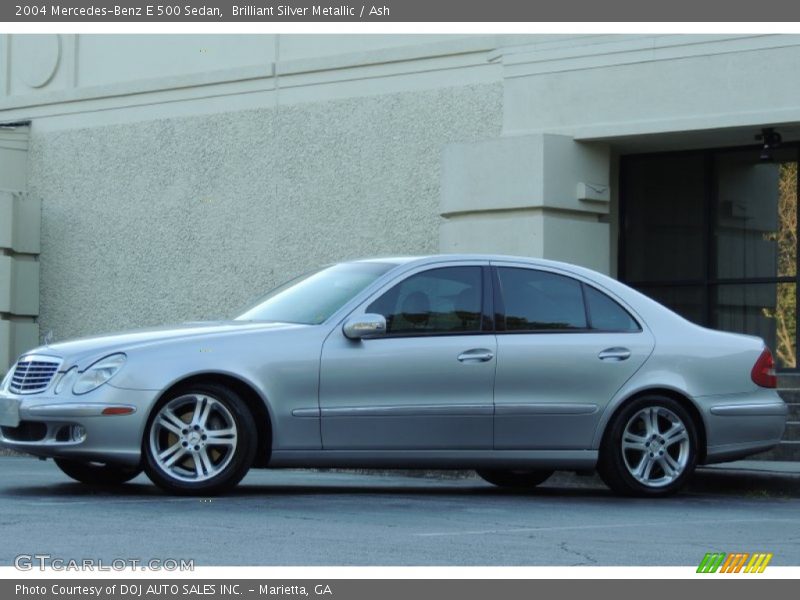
[{"x": 713, "y": 235}]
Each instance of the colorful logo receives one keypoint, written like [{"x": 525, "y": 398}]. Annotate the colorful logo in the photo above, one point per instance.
[{"x": 738, "y": 562}]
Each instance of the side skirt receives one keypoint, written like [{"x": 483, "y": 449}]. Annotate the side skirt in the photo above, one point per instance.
[{"x": 436, "y": 459}]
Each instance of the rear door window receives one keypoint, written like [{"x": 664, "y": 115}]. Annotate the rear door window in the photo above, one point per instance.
[{"x": 541, "y": 301}]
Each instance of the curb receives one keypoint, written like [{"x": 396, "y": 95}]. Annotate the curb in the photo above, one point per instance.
[
  {"x": 746, "y": 482},
  {"x": 6, "y": 452}
]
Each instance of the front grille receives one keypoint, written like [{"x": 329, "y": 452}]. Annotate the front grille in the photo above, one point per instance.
[{"x": 33, "y": 374}]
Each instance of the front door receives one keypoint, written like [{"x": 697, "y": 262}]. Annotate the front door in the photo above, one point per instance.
[{"x": 427, "y": 383}]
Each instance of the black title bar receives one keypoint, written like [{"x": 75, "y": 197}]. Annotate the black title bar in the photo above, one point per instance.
[
  {"x": 732, "y": 588},
  {"x": 33, "y": 11}
]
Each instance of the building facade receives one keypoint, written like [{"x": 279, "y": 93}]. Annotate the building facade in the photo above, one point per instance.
[{"x": 178, "y": 177}]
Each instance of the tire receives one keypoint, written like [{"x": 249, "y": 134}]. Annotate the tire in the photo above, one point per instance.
[
  {"x": 650, "y": 448},
  {"x": 92, "y": 473},
  {"x": 200, "y": 440},
  {"x": 516, "y": 479}
]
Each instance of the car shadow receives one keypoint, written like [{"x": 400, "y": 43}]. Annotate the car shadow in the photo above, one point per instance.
[
  {"x": 703, "y": 483},
  {"x": 78, "y": 490},
  {"x": 139, "y": 490},
  {"x": 384, "y": 489}
]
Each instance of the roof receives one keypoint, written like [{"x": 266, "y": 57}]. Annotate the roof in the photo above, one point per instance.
[{"x": 422, "y": 259}]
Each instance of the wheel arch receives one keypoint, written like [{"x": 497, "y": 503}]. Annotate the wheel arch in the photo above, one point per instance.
[
  {"x": 256, "y": 404},
  {"x": 680, "y": 398}
]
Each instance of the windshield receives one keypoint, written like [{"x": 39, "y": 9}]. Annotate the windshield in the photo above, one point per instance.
[{"x": 310, "y": 299}]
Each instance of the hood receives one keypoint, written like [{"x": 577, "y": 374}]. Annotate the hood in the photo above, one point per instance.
[{"x": 102, "y": 345}]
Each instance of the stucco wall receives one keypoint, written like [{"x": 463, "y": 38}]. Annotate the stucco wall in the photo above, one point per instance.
[{"x": 189, "y": 218}]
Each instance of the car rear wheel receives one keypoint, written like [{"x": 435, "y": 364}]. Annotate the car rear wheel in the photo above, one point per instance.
[
  {"x": 650, "y": 448},
  {"x": 518, "y": 479},
  {"x": 199, "y": 441},
  {"x": 92, "y": 473}
]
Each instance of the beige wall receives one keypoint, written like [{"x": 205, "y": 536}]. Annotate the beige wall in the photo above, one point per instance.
[
  {"x": 192, "y": 217},
  {"x": 20, "y": 215},
  {"x": 181, "y": 175}
]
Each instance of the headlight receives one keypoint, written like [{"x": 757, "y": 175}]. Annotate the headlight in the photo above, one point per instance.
[
  {"x": 100, "y": 372},
  {"x": 65, "y": 381}
]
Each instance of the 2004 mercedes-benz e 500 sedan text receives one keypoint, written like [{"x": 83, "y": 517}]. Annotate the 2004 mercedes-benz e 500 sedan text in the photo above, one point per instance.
[{"x": 514, "y": 367}]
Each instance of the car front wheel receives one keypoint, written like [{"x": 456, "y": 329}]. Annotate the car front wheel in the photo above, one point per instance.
[
  {"x": 199, "y": 441},
  {"x": 650, "y": 449},
  {"x": 518, "y": 479},
  {"x": 92, "y": 473}
]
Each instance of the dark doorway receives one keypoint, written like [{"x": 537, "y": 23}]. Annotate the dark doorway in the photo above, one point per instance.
[{"x": 712, "y": 234}]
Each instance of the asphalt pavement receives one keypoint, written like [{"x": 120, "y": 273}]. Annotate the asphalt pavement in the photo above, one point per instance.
[{"x": 295, "y": 517}]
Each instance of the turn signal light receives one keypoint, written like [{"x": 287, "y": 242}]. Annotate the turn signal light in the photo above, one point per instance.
[
  {"x": 118, "y": 410},
  {"x": 763, "y": 372}
]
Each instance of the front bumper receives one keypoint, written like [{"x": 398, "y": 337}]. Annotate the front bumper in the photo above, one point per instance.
[
  {"x": 742, "y": 424},
  {"x": 42, "y": 424}
]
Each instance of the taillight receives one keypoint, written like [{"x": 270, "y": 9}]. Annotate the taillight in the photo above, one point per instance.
[{"x": 763, "y": 372}]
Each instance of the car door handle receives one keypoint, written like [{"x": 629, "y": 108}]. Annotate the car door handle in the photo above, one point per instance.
[
  {"x": 476, "y": 355},
  {"x": 614, "y": 354}
]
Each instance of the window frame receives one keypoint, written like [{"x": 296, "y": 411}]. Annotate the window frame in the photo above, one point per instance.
[
  {"x": 636, "y": 322},
  {"x": 487, "y": 323},
  {"x": 500, "y": 313}
]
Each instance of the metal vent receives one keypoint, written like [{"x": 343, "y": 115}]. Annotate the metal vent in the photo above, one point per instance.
[{"x": 33, "y": 374}]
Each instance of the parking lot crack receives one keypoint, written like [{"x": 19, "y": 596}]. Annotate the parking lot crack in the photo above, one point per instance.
[{"x": 585, "y": 556}]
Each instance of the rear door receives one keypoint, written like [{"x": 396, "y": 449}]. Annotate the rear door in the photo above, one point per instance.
[{"x": 564, "y": 348}]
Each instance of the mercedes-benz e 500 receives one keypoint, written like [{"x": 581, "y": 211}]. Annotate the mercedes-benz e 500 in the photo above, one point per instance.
[{"x": 510, "y": 366}]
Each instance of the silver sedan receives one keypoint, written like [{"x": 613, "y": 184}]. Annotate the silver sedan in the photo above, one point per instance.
[{"x": 514, "y": 367}]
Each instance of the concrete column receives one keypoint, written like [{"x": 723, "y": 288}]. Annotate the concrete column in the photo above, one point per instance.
[
  {"x": 541, "y": 195},
  {"x": 20, "y": 223}
]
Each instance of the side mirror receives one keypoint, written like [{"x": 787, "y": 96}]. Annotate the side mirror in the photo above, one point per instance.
[{"x": 364, "y": 326}]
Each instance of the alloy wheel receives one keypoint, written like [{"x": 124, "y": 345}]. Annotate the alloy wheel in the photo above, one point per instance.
[
  {"x": 193, "y": 438},
  {"x": 655, "y": 446}
]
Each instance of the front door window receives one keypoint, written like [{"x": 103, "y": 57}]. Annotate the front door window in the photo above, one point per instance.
[{"x": 438, "y": 301}]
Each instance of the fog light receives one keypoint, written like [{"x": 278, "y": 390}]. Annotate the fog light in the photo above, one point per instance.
[{"x": 77, "y": 433}]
